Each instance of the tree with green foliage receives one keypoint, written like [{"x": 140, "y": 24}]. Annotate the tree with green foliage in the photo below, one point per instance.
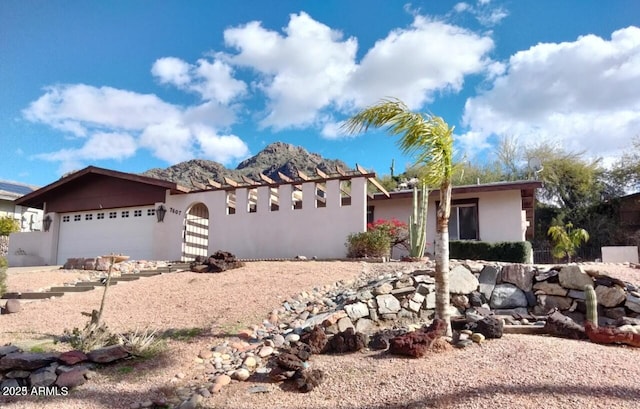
[
  {"x": 429, "y": 139},
  {"x": 8, "y": 225},
  {"x": 566, "y": 240}
]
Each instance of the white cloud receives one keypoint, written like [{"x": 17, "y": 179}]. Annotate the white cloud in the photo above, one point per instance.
[
  {"x": 116, "y": 122},
  {"x": 74, "y": 108},
  {"x": 333, "y": 130},
  {"x": 171, "y": 70},
  {"x": 412, "y": 64},
  {"x": 582, "y": 94},
  {"x": 301, "y": 72},
  {"x": 99, "y": 146},
  {"x": 486, "y": 14},
  {"x": 212, "y": 80},
  {"x": 222, "y": 148}
]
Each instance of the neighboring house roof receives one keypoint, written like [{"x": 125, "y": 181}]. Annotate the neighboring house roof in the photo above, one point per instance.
[
  {"x": 524, "y": 185},
  {"x": 13, "y": 190},
  {"x": 93, "y": 188}
]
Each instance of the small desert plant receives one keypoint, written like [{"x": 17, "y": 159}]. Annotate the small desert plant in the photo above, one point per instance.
[
  {"x": 91, "y": 337},
  {"x": 8, "y": 225},
  {"x": 3, "y": 275},
  {"x": 395, "y": 229},
  {"x": 375, "y": 243},
  {"x": 591, "y": 302},
  {"x": 566, "y": 240},
  {"x": 140, "y": 342}
]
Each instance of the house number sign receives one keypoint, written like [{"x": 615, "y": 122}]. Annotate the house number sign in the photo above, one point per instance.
[{"x": 175, "y": 211}]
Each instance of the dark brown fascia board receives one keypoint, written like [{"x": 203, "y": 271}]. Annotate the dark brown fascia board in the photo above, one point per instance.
[
  {"x": 292, "y": 182},
  {"x": 173, "y": 187},
  {"x": 488, "y": 187}
]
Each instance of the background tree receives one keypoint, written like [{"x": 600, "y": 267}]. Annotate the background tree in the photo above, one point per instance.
[{"x": 429, "y": 139}]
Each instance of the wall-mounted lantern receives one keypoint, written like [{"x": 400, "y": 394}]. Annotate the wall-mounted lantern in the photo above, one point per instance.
[
  {"x": 160, "y": 212},
  {"x": 46, "y": 222}
]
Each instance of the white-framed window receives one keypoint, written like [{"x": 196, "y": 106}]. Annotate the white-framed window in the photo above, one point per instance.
[
  {"x": 66, "y": 219},
  {"x": 88, "y": 216},
  {"x": 151, "y": 212},
  {"x": 125, "y": 214},
  {"x": 100, "y": 216},
  {"x": 113, "y": 215},
  {"x": 137, "y": 213},
  {"x": 77, "y": 217}
]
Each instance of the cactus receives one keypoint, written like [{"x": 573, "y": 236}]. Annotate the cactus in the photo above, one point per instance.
[
  {"x": 418, "y": 221},
  {"x": 592, "y": 304}
]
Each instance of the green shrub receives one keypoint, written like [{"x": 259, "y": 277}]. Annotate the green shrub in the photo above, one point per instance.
[
  {"x": 3, "y": 275},
  {"x": 508, "y": 251},
  {"x": 374, "y": 243},
  {"x": 8, "y": 225}
]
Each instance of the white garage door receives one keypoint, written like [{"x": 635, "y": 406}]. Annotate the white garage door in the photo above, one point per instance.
[{"x": 127, "y": 231}]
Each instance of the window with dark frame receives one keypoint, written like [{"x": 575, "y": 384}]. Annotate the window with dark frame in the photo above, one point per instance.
[{"x": 463, "y": 220}]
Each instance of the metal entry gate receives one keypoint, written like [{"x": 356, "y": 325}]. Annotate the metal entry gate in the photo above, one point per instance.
[{"x": 196, "y": 232}]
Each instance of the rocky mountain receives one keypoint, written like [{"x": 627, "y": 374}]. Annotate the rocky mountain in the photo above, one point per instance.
[{"x": 274, "y": 158}]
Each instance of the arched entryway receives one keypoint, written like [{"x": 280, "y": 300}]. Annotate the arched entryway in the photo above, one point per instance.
[{"x": 195, "y": 240}]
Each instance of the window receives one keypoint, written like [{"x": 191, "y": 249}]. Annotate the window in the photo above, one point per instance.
[
  {"x": 113, "y": 215},
  {"x": 463, "y": 222},
  {"x": 125, "y": 213},
  {"x": 88, "y": 217},
  {"x": 345, "y": 193},
  {"x": 137, "y": 213},
  {"x": 370, "y": 214},
  {"x": 100, "y": 216},
  {"x": 252, "y": 200},
  {"x": 77, "y": 217},
  {"x": 151, "y": 212},
  {"x": 231, "y": 202},
  {"x": 65, "y": 219}
]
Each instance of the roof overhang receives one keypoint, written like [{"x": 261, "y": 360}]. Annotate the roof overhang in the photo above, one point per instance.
[
  {"x": 38, "y": 198},
  {"x": 523, "y": 185}
]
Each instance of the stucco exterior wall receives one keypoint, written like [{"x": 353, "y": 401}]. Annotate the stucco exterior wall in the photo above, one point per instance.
[
  {"x": 310, "y": 231},
  {"x": 500, "y": 216}
]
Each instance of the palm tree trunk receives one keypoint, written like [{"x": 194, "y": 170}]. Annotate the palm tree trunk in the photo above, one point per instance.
[{"x": 442, "y": 256}]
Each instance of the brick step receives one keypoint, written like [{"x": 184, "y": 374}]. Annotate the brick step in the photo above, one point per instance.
[
  {"x": 69, "y": 289},
  {"x": 31, "y": 296}
]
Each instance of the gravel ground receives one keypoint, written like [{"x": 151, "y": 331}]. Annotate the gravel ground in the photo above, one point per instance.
[{"x": 515, "y": 371}]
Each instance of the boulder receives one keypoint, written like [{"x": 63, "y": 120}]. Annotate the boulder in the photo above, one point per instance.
[
  {"x": 72, "y": 357},
  {"x": 387, "y": 304},
  {"x": 306, "y": 380},
  {"x": 107, "y": 354},
  {"x": 462, "y": 281},
  {"x": 71, "y": 379},
  {"x": 562, "y": 326},
  {"x": 357, "y": 310},
  {"x": 364, "y": 325},
  {"x": 26, "y": 361},
  {"x": 460, "y": 301},
  {"x": 548, "y": 303},
  {"x": 632, "y": 303},
  {"x": 344, "y": 323},
  {"x": 12, "y": 306},
  {"x": 380, "y": 340},
  {"x": 489, "y": 327},
  {"x": 545, "y": 287},
  {"x": 43, "y": 377},
  {"x": 487, "y": 280},
  {"x": 347, "y": 341},
  {"x": 609, "y": 335},
  {"x": 507, "y": 296},
  {"x": 573, "y": 277},
  {"x": 549, "y": 276},
  {"x": 610, "y": 296},
  {"x": 218, "y": 262},
  {"x": 519, "y": 274},
  {"x": 476, "y": 298},
  {"x": 417, "y": 343},
  {"x": 316, "y": 339},
  {"x": 384, "y": 288}
]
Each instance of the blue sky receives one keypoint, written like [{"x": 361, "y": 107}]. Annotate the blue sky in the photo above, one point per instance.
[{"x": 133, "y": 85}]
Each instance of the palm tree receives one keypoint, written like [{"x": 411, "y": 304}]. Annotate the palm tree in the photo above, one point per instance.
[
  {"x": 567, "y": 240},
  {"x": 430, "y": 140}
]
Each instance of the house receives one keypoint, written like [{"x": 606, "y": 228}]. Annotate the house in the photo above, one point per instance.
[
  {"x": 30, "y": 219},
  {"x": 492, "y": 212},
  {"x": 98, "y": 211}
]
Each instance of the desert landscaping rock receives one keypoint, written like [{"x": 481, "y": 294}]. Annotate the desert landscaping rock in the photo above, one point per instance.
[
  {"x": 12, "y": 306},
  {"x": 610, "y": 296},
  {"x": 108, "y": 354},
  {"x": 521, "y": 275},
  {"x": 547, "y": 288},
  {"x": 507, "y": 296},
  {"x": 487, "y": 280},
  {"x": 573, "y": 277},
  {"x": 387, "y": 304},
  {"x": 462, "y": 281}
]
